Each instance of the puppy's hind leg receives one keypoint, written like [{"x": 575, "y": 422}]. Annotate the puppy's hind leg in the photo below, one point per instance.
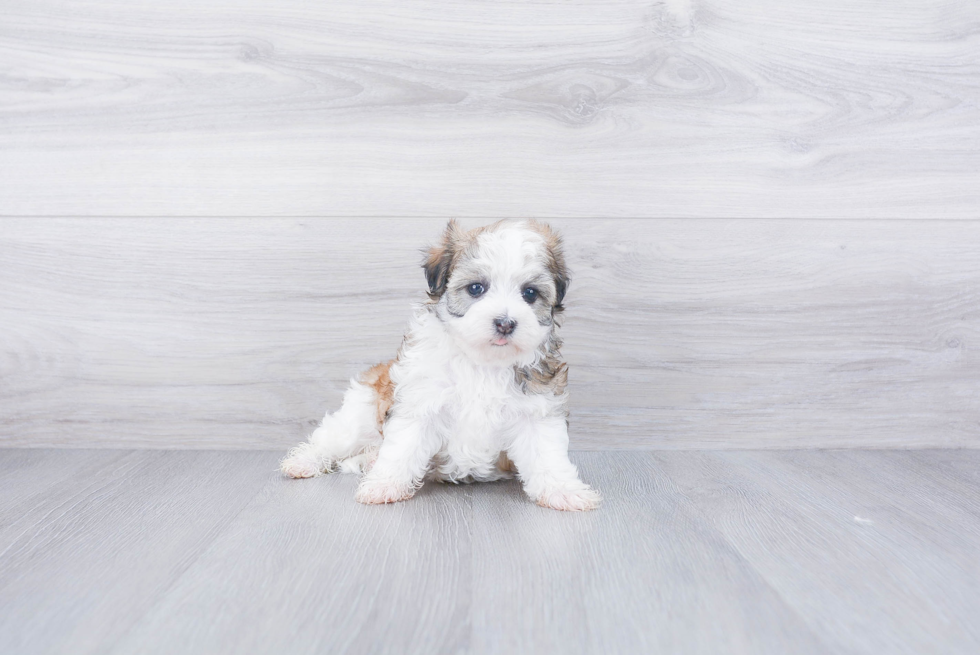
[{"x": 349, "y": 431}]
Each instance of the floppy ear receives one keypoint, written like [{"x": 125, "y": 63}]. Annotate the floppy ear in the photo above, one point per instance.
[
  {"x": 561, "y": 281},
  {"x": 439, "y": 261},
  {"x": 558, "y": 270},
  {"x": 556, "y": 261}
]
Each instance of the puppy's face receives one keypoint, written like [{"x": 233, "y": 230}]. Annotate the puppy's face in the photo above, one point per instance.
[{"x": 497, "y": 289}]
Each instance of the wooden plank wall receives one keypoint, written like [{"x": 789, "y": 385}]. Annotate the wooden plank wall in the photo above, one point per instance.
[
  {"x": 483, "y": 108},
  {"x": 211, "y": 211},
  {"x": 217, "y": 333}
]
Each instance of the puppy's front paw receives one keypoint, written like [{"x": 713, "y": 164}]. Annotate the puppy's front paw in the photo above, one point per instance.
[
  {"x": 297, "y": 467},
  {"x": 570, "y": 500},
  {"x": 302, "y": 462},
  {"x": 380, "y": 492}
]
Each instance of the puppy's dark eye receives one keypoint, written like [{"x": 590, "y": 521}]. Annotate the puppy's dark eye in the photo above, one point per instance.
[
  {"x": 476, "y": 289},
  {"x": 530, "y": 295}
]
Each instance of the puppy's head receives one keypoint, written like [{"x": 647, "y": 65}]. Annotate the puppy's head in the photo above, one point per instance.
[{"x": 498, "y": 288}]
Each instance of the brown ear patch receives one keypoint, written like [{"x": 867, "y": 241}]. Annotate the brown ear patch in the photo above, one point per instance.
[
  {"x": 556, "y": 260},
  {"x": 440, "y": 259}
]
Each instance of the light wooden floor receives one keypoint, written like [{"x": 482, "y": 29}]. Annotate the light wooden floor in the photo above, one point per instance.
[{"x": 693, "y": 552}]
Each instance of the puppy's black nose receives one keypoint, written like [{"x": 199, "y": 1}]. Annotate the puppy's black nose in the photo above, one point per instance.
[{"x": 505, "y": 325}]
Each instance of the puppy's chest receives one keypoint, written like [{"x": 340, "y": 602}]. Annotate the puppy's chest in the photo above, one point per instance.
[
  {"x": 474, "y": 428},
  {"x": 470, "y": 405},
  {"x": 480, "y": 409}
]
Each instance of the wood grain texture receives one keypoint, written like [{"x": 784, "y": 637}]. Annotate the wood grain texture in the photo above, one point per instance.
[
  {"x": 669, "y": 108},
  {"x": 692, "y": 552},
  {"x": 644, "y": 574},
  {"x": 306, "y": 569},
  {"x": 857, "y": 543},
  {"x": 83, "y": 560},
  {"x": 211, "y": 333}
]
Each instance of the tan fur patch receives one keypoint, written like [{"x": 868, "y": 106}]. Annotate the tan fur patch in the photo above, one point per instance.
[
  {"x": 378, "y": 378},
  {"x": 504, "y": 463},
  {"x": 551, "y": 238}
]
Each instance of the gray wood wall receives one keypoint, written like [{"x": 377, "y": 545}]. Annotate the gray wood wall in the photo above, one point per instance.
[
  {"x": 680, "y": 333},
  {"x": 211, "y": 212},
  {"x": 667, "y": 108}
]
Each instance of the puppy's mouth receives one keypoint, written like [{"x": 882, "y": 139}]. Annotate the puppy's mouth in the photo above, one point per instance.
[{"x": 500, "y": 341}]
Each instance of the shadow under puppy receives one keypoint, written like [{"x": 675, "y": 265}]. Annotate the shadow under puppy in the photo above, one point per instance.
[{"x": 477, "y": 390}]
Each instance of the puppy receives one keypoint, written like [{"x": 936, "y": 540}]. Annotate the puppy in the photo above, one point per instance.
[{"x": 477, "y": 391}]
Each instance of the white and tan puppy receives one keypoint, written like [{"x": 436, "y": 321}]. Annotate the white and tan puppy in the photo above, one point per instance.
[{"x": 477, "y": 390}]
